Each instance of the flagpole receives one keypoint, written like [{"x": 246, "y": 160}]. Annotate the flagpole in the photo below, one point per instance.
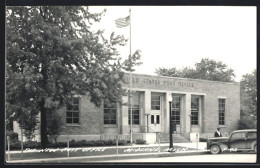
[{"x": 131, "y": 95}]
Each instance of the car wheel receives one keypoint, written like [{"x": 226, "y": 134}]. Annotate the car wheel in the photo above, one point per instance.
[
  {"x": 255, "y": 148},
  {"x": 214, "y": 149}
]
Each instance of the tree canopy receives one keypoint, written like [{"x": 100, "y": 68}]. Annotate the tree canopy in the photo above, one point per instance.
[
  {"x": 248, "y": 100},
  {"x": 52, "y": 54},
  {"x": 206, "y": 69}
]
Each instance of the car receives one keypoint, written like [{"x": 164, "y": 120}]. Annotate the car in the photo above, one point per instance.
[{"x": 239, "y": 140}]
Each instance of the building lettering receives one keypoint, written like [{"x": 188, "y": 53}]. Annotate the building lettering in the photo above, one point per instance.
[{"x": 156, "y": 82}]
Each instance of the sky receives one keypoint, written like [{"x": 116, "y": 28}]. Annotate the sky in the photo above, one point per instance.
[{"x": 180, "y": 36}]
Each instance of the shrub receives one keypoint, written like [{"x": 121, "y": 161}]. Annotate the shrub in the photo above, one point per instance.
[
  {"x": 245, "y": 123},
  {"x": 73, "y": 143},
  {"x": 140, "y": 141},
  {"x": 90, "y": 143},
  {"x": 58, "y": 145},
  {"x": 110, "y": 142},
  {"x": 12, "y": 135},
  {"x": 82, "y": 143},
  {"x": 99, "y": 143},
  {"x": 121, "y": 142},
  {"x": 203, "y": 139},
  {"x": 14, "y": 145},
  {"x": 37, "y": 145},
  {"x": 32, "y": 144}
]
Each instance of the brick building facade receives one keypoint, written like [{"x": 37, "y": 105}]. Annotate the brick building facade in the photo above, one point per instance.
[{"x": 198, "y": 106}]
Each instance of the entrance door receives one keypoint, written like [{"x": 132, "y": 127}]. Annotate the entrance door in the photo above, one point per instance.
[
  {"x": 155, "y": 124},
  {"x": 156, "y": 110}
]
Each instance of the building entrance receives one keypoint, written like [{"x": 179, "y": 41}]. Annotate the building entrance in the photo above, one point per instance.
[{"x": 156, "y": 111}]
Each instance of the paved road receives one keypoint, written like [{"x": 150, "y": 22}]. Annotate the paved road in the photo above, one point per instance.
[{"x": 221, "y": 158}]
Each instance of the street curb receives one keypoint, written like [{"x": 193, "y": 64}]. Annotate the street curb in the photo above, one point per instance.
[{"x": 110, "y": 157}]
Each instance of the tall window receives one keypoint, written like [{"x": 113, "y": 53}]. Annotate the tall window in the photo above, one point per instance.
[
  {"x": 176, "y": 109},
  {"x": 72, "y": 111},
  {"x": 221, "y": 111},
  {"x": 110, "y": 113},
  {"x": 194, "y": 111},
  {"x": 135, "y": 109},
  {"x": 155, "y": 102}
]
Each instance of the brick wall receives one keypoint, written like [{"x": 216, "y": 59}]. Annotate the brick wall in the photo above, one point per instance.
[{"x": 91, "y": 119}]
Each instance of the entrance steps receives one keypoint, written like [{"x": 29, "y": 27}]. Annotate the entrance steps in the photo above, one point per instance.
[{"x": 177, "y": 138}]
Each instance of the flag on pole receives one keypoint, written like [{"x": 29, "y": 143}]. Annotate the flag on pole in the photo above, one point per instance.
[{"x": 123, "y": 22}]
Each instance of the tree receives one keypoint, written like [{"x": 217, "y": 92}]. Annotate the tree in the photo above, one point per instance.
[
  {"x": 52, "y": 53},
  {"x": 173, "y": 72},
  {"x": 54, "y": 124},
  {"x": 20, "y": 102},
  {"x": 248, "y": 101},
  {"x": 206, "y": 69}
]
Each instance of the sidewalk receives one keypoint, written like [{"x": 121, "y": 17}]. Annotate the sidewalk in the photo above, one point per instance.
[{"x": 108, "y": 152}]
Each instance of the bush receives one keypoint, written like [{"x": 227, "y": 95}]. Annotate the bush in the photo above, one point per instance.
[
  {"x": 73, "y": 143},
  {"x": 61, "y": 144},
  {"x": 12, "y": 135},
  {"x": 203, "y": 139},
  {"x": 140, "y": 141},
  {"x": 14, "y": 145},
  {"x": 246, "y": 123},
  {"x": 121, "y": 142},
  {"x": 90, "y": 143},
  {"x": 32, "y": 144},
  {"x": 99, "y": 143},
  {"x": 110, "y": 142},
  {"x": 83, "y": 143}
]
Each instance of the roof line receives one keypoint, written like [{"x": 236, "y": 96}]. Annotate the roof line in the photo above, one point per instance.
[{"x": 202, "y": 80}]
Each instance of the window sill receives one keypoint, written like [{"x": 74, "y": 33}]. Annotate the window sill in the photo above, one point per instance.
[
  {"x": 110, "y": 126},
  {"x": 73, "y": 125},
  {"x": 222, "y": 126},
  {"x": 135, "y": 125},
  {"x": 195, "y": 125}
]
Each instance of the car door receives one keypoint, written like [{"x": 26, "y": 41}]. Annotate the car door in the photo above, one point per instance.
[
  {"x": 238, "y": 140},
  {"x": 251, "y": 138}
]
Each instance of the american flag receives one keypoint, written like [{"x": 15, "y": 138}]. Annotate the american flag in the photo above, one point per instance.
[{"x": 122, "y": 22}]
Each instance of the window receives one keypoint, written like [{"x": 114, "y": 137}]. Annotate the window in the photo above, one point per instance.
[
  {"x": 72, "y": 111},
  {"x": 221, "y": 111},
  {"x": 251, "y": 135},
  {"x": 176, "y": 109},
  {"x": 135, "y": 109},
  {"x": 155, "y": 102},
  {"x": 110, "y": 113},
  {"x": 194, "y": 111},
  {"x": 238, "y": 135},
  {"x": 152, "y": 119},
  {"x": 157, "y": 119}
]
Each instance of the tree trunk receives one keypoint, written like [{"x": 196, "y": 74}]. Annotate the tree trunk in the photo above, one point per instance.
[{"x": 44, "y": 139}]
